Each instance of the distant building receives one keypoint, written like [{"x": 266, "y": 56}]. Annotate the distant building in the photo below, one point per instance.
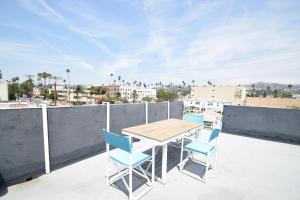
[
  {"x": 203, "y": 105},
  {"x": 126, "y": 92},
  {"x": 233, "y": 94},
  {"x": 112, "y": 90},
  {"x": 3, "y": 89}
]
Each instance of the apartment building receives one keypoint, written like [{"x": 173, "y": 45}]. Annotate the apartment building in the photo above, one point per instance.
[
  {"x": 112, "y": 90},
  {"x": 233, "y": 94},
  {"x": 126, "y": 92},
  {"x": 3, "y": 89}
]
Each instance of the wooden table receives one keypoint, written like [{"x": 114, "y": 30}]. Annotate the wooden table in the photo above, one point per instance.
[{"x": 160, "y": 134}]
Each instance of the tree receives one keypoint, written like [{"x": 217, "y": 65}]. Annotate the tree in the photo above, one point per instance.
[
  {"x": 275, "y": 93},
  {"x": 111, "y": 77},
  {"x": 148, "y": 99},
  {"x": 78, "y": 90},
  {"x": 26, "y": 88},
  {"x": 290, "y": 86},
  {"x": 193, "y": 82},
  {"x": 118, "y": 95},
  {"x": 13, "y": 89},
  {"x": 119, "y": 79},
  {"x": 68, "y": 71},
  {"x": 52, "y": 96},
  {"x": 134, "y": 96},
  {"x": 145, "y": 85},
  {"x": 209, "y": 83},
  {"x": 163, "y": 95},
  {"x": 183, "y": 83}
]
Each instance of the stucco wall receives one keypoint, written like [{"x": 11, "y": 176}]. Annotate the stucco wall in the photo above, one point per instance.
[
  {"x": 275, "y": 123},
  {"x": 74, "y": 134}
]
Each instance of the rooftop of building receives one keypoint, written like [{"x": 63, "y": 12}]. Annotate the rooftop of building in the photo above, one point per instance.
[{"x": 247, "y": 168}]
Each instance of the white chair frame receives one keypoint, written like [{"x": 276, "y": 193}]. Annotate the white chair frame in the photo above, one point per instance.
[
  {"x": 123, "y": 170},
  {"x": 208, "y": 164}
]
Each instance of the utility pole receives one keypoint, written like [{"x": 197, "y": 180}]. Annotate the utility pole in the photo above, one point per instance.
[
  {"x": 30, "y": 93},
  {"x": 55, "y": 78}
]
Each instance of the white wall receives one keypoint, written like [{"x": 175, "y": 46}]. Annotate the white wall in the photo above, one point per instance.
[{"x": 3, "y": 90}]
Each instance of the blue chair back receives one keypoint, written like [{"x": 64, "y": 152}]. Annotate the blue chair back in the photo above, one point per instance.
[
  {"x": 118, "y": 141},
  {"x": 194, "y": 118},
  {"x": 214, "y": 134}
]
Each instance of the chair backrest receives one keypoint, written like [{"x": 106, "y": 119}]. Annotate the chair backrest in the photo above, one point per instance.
[
  {"x": 118, "y": 141},
  {"x": 194, "y": 118},
  {"x": 214, "y": 134}
]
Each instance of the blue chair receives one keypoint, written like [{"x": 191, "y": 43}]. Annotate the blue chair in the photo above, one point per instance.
[
  {"x": 208, "y": 149},
  {"x": 194, "y": 118},
  {"x": 127, "y": 161}
]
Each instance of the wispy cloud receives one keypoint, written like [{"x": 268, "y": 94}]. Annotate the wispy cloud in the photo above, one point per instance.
[{"x": 227, "y": 42}]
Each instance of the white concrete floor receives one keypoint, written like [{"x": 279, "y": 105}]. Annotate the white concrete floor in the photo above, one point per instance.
[{"x": 247, "y": 168}]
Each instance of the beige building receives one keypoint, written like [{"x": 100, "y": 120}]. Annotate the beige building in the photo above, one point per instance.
[
  {"x": 232, "y": 94},
  {"x": 3, "y": 89}
]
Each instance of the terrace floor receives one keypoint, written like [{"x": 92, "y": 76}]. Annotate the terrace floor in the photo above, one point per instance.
[{"x": 247, "y": 168}]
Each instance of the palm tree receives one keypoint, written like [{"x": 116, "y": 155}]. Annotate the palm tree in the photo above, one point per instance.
[
  {"x": 44, "y": 75},
  {"x": 39, "y": 77},
  {"x": 145, "y": 85},
  {"x": 78, "y": 90},
  {"x": 119, "y": 79},
  {"x": 193, "y": 82},
  {"x": 290, "y": 86},
  {"x": 209, "y": 83},
  {"x": 49, "y": 76},
  {"x": 183, "y": 83},
  {"x": 134, "y": 96},
  {"x": 111, "y": 77},
  {"x": 68, "y": 71}
]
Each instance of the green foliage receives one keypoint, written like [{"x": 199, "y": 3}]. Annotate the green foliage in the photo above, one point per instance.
[
  {"x": 148, "y": 99},
  {"x": 125, "y": 101},
  {"x": 118, "y": 95},
  {"x": 163, "y": 95},
  {"x": 111, "y": 99},
  {"x": 26, "y": 88},
  {"x": 11, "y": 92},
  {"x": 52, "y": 96},
  {"x": 134, "y": 96}
]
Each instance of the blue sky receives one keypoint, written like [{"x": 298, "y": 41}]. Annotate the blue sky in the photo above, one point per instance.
[{"x": 226, "y": 42}]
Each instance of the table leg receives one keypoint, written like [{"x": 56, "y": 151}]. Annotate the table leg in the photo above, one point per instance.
[{"x": 164, "y": 163}]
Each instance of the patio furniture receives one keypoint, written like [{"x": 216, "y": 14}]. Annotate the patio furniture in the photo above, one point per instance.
[
  {"x": 127, "y": 161},
  {"x": 208, "y": 149},
  {"x": 197, "y": 119},
  {"x": 160, "y": 133}
]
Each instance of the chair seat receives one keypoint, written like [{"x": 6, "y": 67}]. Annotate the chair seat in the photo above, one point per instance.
[
  {"x": 200, "y": 147},
  {"x": 123, "y": 158}
]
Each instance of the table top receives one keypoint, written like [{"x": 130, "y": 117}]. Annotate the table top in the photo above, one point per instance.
[{"x": 162, "y": 130}]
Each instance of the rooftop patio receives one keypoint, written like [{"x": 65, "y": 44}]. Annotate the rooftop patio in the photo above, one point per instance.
[{"x": 247, "y": 168}]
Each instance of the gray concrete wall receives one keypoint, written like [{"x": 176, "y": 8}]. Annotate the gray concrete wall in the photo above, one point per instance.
[
  {"x": 157, "y": 111},
  {"x": 21, "y": 144},
  {"x": 176, "y": 109},
  {"x": 273, "y": 123},
  {"x": 75, "y": 133},
  {"x": 126, "y": 115}
]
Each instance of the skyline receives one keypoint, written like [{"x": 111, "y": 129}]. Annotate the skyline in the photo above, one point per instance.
[{"x": 228, "y": 42}]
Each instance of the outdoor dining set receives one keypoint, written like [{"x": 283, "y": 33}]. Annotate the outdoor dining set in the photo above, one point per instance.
[{"x": 130, "y": 161}]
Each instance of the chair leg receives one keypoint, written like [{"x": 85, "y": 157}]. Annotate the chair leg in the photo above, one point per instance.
[
  {"x": 130, "y": 183},
  {"x": 206, "y": 168},
  {"x": 153, "y": 165},
  {"x": 181, "y": 155}
]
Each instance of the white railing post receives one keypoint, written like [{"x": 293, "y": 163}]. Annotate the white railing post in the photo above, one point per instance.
[
  {"x": 146, "y": 104},
  {"x": 46, "y": 138},
  {"x": 107, "y": 115}
]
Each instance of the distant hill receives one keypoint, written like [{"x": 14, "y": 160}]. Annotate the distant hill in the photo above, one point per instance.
[{"x": 263, "y": 85}]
